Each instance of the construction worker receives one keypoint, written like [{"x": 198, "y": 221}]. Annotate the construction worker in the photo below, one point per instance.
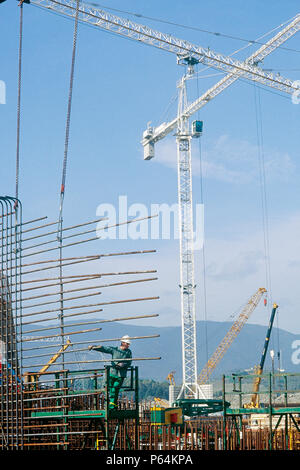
[{"x": 118, "y": 371}]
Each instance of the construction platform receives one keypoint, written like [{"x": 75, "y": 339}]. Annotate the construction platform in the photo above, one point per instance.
[{"x": 274, "y": 411}]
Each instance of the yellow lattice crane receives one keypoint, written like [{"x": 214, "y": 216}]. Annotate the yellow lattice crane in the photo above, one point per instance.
[
  {"x": 32, "y": 377},
  {"x": 54, "y": 357},
  {"x": 230, "y": 336}
]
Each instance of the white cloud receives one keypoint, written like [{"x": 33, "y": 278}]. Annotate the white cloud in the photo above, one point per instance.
[
  {"x": 230, "y": 160},
  {"x": 243, "y": 264},
  {"x": 236, "y": 268}
]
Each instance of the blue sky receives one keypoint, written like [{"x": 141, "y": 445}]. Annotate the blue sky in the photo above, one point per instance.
[{"x": 120, "y": 86}]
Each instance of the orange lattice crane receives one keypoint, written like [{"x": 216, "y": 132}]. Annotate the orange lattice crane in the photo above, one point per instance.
[{"x": 230, "y": 336}]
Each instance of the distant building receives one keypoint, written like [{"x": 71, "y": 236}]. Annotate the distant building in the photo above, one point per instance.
[{"x": 206, "y": 389}]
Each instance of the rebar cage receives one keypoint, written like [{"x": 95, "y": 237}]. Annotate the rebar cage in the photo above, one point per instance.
[
  {"x": 11, "y": 412},
  {"x": 48, "y": 307}
]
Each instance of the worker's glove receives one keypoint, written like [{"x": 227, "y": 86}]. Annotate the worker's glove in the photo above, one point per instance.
[{"x": 121, "y": 365}]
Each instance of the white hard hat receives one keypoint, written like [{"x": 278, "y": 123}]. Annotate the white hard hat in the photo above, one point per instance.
[{"x": 125, "y": 339}]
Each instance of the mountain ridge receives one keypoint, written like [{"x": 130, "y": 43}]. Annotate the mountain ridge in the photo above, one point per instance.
[{"x": 244, "y": 352}]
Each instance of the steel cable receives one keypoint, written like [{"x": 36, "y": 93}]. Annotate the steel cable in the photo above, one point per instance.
[
  {"x": 63, "y": 182},
  {"x": 68, "y": 120},
  {"x": 19, "y": 103},
  {"x": 258, "y": 112}
]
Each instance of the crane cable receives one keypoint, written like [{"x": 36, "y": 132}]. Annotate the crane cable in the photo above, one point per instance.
[
  {"x": 203, "y": 247},
  {"x": 264, "y": 205},
  {"x": 262, "y": 176},
  {"x": 19, "y": 103},
  {"x": 63, "y": 182},
  {"x": 195, "y": 28},
  {"x": 68, "y": 120}
]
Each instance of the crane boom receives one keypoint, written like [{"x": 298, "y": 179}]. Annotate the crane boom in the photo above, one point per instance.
[
  {"x": 180, "y": 47},
  {"x": 280, "y": 38},
  {"x": 230, "y": 336},
  {"x": 54, "y": 358},
  {"x": 32, "y": 377}
]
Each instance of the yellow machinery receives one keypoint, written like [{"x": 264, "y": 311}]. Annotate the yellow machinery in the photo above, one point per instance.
[
  {"x": 230, "y": 336},
  {"x": 32, "y": 377},
  {"x": 258, "y": 370},
  {"x": 163, "y": 413},
  {"x": 170, "y": 378},
  {"x": 161, "y": 402}
]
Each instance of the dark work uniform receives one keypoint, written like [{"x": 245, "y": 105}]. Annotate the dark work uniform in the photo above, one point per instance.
[{"x": 117, "y": 372}]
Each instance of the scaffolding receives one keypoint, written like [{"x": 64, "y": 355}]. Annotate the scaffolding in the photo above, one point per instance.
[
  {"x": 45, "y": 301},
  {"x": 11, "y": 413},
  {"x": 48, "y": 301},
  {"x": 276, "y": 415},
  {"x": 70, "y": 410}
]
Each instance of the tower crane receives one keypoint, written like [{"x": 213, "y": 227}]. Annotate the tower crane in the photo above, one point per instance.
[
  {"x": 230, "y": 336},
  {"x": 189, "y": 54},
  {"x": 190, "y": 386}
]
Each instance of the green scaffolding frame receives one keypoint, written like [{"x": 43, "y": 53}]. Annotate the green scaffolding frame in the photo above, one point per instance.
[
  {"x": 108, "y": 418},
  {"x": 233, "y": 416}
]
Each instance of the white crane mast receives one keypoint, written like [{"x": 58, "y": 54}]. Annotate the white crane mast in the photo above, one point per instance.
[
  {"x": 190, "y": 387},
  {"x": 191, "y": 53}
]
